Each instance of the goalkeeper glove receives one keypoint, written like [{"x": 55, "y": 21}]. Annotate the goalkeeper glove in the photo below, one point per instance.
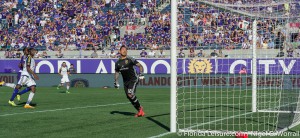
[
  {"x": 116, "y": 85},
  {"x": 141, "y": 76}
]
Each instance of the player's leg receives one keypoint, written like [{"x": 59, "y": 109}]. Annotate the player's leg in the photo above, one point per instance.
[
  {"x": 22, "y": 80},
  {"x": 13, "y": 96},
  {"x": 61, "y": 83},
  {"x": 130, "y": 92},
  {"x": 27, "y": 89},
  {"x": 30, "y": 97},
  {"x": 67, "y": 85},
  {"x": 32, "y": 86},
  {"x": 11, "y": 85},
  {"x": 140, "y": 109},
  {"x": 59, "y": 86}
]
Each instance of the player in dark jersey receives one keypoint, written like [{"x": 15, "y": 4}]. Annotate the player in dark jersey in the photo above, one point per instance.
[{"x": 126, "y": 66}]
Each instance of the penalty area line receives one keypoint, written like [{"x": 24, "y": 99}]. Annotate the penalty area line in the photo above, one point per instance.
[{"x": 62, "y": 109}]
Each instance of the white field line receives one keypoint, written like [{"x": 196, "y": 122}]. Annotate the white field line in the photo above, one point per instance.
[{"x": 62, "y": 109}]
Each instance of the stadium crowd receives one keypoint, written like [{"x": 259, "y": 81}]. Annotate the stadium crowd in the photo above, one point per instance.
[
  {"x": 52, "y": 25},
  {"x": 71, "y": 25}
]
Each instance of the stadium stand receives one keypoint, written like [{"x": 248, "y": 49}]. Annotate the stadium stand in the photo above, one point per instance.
[{"x": 75, "y": 25}]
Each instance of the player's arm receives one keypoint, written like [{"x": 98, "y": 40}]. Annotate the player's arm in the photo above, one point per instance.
[
  {"x": 135, "y": 62},
  {"x": 117, "y": 74},
  {"x": 29, "y": 69},
  {"x": 59, "y": 72},
  {"x": 141, "y": 75},
  {"x": 140, "y": 67}
]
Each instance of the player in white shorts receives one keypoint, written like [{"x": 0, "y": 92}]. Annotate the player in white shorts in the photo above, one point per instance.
[
  {"x": 64, "y": 72},
  {"x": 27, "y": 78}
]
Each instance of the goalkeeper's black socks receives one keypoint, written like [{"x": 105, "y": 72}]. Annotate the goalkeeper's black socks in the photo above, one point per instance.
[{"x": 135, "y": 102}]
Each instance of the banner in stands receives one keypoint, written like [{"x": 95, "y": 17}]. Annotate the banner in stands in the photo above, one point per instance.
[
  {"x": 296, "y": 24},
  {"x": 131, "y": 27},
  {"x": 162, "y": 66}
]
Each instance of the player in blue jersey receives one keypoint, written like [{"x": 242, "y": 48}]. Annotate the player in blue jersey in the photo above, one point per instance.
[{"x": 16, "y": 92}]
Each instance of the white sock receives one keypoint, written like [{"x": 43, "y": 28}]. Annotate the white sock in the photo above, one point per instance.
[
  {"x": 11, "y": 85},
  {"x": 68, "y": 87},
  {"x": 30, "y": 98}
]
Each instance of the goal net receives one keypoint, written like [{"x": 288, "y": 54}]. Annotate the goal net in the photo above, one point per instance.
[{"x": 238, "y": 66}]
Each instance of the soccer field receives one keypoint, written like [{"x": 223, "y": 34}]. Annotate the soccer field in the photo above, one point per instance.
[{"x": 90, "y": 112}]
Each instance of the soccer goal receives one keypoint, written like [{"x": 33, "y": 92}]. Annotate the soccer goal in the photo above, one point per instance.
[{"x": 247, "y": 75}]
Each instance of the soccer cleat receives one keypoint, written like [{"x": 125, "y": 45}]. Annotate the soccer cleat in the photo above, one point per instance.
[
  {"x": 57, "y": 87},
  {"x": 2, "y": 83},
  {"x": 67, "y": 92},
  {"x": 27, "y": 106},
  {"x": 140, "y": 113},
  {"x": 19, "y": 97},
  {"x": 12, "y": 103}
]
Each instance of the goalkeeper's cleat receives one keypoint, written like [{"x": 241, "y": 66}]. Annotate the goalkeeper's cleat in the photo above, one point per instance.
[
  {"x": 12, "y": 103},
  {"x": 27, "y": 106},
  {"x": 2, "y": 83},
  {"x": 57, "y": 87},
  {"x": 67, "y": 92},
  {"x": 140, "y": 113},
  {"x": 19, "y": 97}
]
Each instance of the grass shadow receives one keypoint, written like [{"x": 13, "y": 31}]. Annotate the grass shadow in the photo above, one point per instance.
[
  {"x": 122, "y": 113},
  {"x": 23, "y": 103},
  {"x": 62, "y": 92}
]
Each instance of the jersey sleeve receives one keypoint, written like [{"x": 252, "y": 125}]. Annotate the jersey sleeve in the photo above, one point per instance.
[{"x": 133, "y": 61}]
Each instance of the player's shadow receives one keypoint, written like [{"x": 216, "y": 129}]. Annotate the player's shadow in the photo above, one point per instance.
[
  {"x": 62, "y": 92},
  {"x": 122, "y": 113},
  {"x": 23, "y": 103},
  {"x": 151, "y": 118}
]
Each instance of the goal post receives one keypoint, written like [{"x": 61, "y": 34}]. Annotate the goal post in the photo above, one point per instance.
[
  {"x": 173, "y": 115},
  {"x": 254, "y": 68},
  {"x": 213, "y": 92}
]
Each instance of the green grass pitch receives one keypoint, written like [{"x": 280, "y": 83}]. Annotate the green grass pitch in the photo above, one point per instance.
[{"x": 86, "y": 112}]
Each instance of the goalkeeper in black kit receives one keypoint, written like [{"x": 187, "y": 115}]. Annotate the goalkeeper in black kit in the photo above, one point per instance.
[{"x": 126, "y": 66}]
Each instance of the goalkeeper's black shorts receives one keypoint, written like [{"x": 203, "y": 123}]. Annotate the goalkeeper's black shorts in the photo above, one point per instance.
[{"x": 130, "y": 87}]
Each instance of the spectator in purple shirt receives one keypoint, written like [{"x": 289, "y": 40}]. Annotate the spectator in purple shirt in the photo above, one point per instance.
[
  {"x": 17, "y": 46},
  {"x": 143, "y": 54},
  {"x": 32, "y": 44}
]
